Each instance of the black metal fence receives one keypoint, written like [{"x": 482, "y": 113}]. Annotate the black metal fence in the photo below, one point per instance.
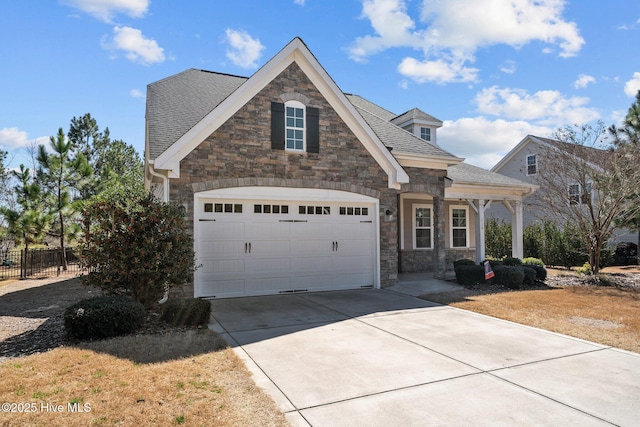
[{"x": 23, "y": 263}]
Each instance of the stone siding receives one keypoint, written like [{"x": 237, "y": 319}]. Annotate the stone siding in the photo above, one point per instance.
[
  {"x": 422, "y": 261},
  {"x": 239, "y": 153}
]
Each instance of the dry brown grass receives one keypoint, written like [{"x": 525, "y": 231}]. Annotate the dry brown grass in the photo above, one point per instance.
[
  {"x": 183, "y": 378},
  {"x": 606, "y": 315}
]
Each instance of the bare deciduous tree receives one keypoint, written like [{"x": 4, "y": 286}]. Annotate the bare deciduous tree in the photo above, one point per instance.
[{"x": 586, "y": 185}]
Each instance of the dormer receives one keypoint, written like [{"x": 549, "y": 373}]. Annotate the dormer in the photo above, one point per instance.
[{"x": 419, "y": 123}]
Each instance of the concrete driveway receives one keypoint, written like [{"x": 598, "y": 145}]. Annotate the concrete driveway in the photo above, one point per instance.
[{"x": 379, "y": 358}]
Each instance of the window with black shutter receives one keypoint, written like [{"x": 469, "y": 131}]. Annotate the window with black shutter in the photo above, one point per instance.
[{"x": 295, "y": 127}]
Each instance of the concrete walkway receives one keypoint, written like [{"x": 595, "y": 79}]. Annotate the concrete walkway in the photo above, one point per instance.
[{"x": 383, "y": 358}]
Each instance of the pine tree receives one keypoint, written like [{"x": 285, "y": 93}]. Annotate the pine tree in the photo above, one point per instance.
[{"x": 63, "y": 176}]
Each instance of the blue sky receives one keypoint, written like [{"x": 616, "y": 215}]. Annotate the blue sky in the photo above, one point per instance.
[{"x": 492, "y": 70}]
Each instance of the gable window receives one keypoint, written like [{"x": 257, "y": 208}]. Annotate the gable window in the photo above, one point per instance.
[
  {"x": 578, "y": 195},
  {"x": 532, "y": 164},
  {"x": 425, "y": 133},
  {"x": 294, "y": 118},
  {"x": 422, "y": 226},
  {"x": 459, "y": 226},
  {"x": 295, "y": 127}
]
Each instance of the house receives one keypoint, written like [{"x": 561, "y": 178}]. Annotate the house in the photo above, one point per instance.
[
  {"x": 290, "y": 184},
  {"x": 525, "y": 162}
]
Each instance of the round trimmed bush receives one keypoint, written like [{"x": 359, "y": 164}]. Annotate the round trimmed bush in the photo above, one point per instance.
[
  {"x": 541, "y": 272},
  {"x": 509, "y": 276},
  {"x": 470, "y": 274},
  {"x": 463, "y": 261},
  {"x": 511, "y": 261},
  {"x": 103, "y": 317},
  {"x": 532, "y": 261},
  {"x": 529, "y": 275},
  {"x": 495, "y": 262}
]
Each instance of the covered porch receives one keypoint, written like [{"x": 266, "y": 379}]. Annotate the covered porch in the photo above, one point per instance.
[{"x": 435, "y": 231}]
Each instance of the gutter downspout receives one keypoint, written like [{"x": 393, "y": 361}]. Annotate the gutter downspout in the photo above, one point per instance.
[
  {"x": 165, "y": 195},
  {"x": 165, "y": 186}
]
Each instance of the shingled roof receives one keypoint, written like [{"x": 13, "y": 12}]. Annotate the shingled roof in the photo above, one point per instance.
[
  {"x": 179, "y": 102},
  {"x": 394, "y": 137},
  {"x": 415, "y": 114},
  {"x": 464, "y": 173}
]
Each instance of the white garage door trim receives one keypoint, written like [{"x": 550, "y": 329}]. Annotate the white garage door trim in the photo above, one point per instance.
[{"x": 271, "y": 194}]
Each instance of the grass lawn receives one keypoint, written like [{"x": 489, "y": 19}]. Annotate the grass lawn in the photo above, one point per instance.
[
  {"x": 181, "y": 378},
  {"x": 606, "y": 315}
]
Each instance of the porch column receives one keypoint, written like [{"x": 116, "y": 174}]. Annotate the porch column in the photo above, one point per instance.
[
  {"x": 479, "y": 208},
  {"x": 439, "y": 255},
  {"x": 517, "y": 241}
]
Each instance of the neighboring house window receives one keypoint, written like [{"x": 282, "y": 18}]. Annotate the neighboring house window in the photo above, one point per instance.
[
  {"x": 425, "y": 133},
  {"x": 295, "y": 127},
  {"x": 579, "y": 196},
  {"x": 459, "y": 226},
  {"x": 532, "y": 164},
  {"x": 422, "y": 226}
]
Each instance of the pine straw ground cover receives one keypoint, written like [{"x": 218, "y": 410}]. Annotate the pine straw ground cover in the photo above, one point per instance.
[
  {"x": 173, "y": 377},
  {"x": 569, "y": 305}
]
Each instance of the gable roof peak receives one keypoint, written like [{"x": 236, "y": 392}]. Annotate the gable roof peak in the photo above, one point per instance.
[{"x": 416, "y": 115}]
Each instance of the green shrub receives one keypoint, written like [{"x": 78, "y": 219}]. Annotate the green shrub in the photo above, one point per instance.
[
  {"x": 541, "y": 272},
  {"x": 464, "y": 261},
  {"x": 538, "y": 266},
  {"x": 103, "y": 317},
  {"x": 607, "y": 256},
  {"x": 509, "y": 276},
  {"x": 560, "y": 246},
  {"x": 497, "y": 238},
  {"x": 510, "y": 261},
  {"x": 136, "y": 247},
  {"x": 532, "y": 261},
  {"x": 585, "y": 269},
  {"x": 530, "y": 275},
  {"x": 495, "y": 262},
  {"x": 186, "y": 312},
  {"x": 470, "y": 274}
]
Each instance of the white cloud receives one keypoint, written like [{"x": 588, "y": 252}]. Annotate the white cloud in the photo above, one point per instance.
[
  {"x": 137, "y": 48},
  {"x": 105, "y": 10},
  {"x": 245, "y": 50},
  {"x": 483, "y": 142},
  {"x": 392, "y": 25},
  {"x": 136, "y": 93},
  {"x": 583, "y": 81},
  {"x": 14, "y": 138},
  {"x": 508, "y": 66},
  {"x": 545, "y": 107},
  {"x": 632, "y": 86},
  {"x": 299, "y": 2},
  {"x": 439, "y": 71},
  {"x": 453, "y": 30}
]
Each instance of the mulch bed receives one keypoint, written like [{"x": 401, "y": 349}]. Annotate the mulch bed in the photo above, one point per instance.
[{"x": 32, "y": 315}]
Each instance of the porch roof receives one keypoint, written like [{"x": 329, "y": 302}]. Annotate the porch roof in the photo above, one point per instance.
[{"x": 470, "y": 181}]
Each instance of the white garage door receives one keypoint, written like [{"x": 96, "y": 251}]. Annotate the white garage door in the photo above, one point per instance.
[{"x": 258, "y": 247}]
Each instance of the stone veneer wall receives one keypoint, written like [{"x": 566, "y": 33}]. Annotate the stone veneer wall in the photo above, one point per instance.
[
  {"x": 421, "y": 261},
  {"x": 429, "y": 181},
  {"x": 239, "y": 154}
]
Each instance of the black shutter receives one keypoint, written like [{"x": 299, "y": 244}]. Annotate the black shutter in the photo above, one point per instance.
[
  {"x": 313, "y": 130},
  {"x": 277, "y": 126}
]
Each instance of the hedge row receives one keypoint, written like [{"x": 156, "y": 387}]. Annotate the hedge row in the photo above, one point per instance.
[{"x": 510, "y": 272}]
